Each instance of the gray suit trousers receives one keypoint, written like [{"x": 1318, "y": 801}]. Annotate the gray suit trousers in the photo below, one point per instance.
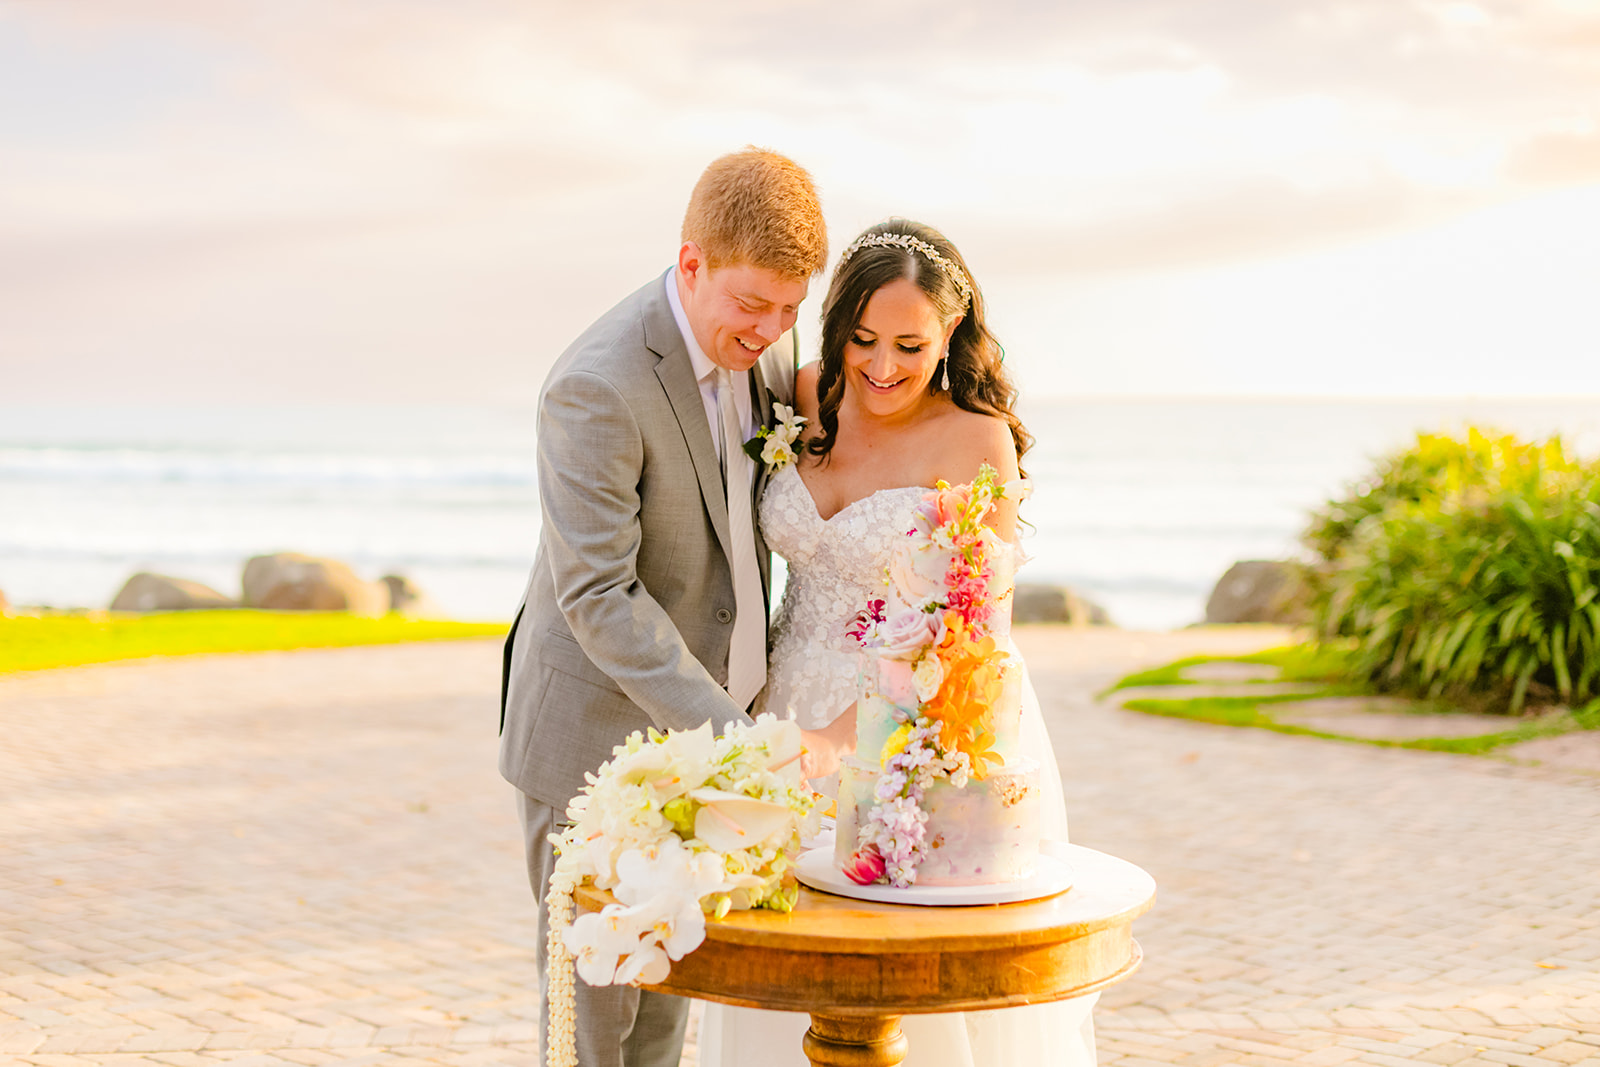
[{"x": 618, "y": 1026}]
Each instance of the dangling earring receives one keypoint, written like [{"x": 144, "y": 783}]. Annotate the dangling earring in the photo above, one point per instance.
[{"x": 944, "y": 382}]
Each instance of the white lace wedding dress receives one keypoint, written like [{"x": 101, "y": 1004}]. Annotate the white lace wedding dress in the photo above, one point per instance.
[{"x": 835, "y": 567}]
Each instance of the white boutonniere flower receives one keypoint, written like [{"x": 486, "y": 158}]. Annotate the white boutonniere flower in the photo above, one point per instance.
[{"x": 774, "y": 445}]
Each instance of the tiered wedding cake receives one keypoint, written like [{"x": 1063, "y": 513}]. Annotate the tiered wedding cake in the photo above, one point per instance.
[{"x": 937, "y": 792}]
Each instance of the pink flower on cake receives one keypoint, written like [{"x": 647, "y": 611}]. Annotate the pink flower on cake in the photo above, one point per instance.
[
  {"x": 864, "y": 627},
  {"x": 945, "y": 505},
  {"x": 865, "y": 867},
  {"x": 908, "y": 632},
  {"x": 969, "y": 591}
]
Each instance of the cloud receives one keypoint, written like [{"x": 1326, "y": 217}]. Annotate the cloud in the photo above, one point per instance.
[
  {"x": 1560, "y": 158},
  {"x": 313, "y": 182},
  {"x": 1250, "y": 220}
]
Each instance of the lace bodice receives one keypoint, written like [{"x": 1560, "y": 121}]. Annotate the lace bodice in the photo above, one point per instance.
[{"x": 835, "y": 566}]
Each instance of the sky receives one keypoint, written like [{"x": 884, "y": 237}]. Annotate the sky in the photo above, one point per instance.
[{"x": 213, "y": 202}]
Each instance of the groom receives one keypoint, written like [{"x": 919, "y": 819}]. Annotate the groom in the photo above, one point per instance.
[{"x": 647, "y": 602}]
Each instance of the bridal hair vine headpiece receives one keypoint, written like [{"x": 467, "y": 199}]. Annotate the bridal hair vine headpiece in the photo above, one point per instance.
[{"x": 913, "y": 244}]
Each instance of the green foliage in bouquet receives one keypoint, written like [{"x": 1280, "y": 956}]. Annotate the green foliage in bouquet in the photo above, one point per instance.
[{"x": 1467, "y": 569}]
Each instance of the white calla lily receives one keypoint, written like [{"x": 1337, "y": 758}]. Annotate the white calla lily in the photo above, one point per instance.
[
  {"x": 730, "y": 821},
  {"x": 781, "y": 739}
]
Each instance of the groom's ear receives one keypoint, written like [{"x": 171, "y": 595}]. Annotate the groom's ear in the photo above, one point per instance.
[{"x": 691, "y": 264}]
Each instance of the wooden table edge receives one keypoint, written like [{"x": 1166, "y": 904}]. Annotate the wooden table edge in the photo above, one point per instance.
[
  {"x": 766, "y": 927},
  {"x": 1132, "y": 964}
]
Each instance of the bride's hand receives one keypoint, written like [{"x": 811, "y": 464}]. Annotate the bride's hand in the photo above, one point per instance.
[{"x": 823, "y": 749}]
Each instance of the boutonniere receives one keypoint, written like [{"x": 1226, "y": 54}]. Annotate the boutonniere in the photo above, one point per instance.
[{"x": 774, "y": 444}]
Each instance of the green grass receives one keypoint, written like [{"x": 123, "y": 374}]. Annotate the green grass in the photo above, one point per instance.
[
  {"x": 1247, "y": 711},
  {"x": 1295, "y": 663},
  {"x": 69, "y": 639},
  {"x": 1321, "y": 663}
]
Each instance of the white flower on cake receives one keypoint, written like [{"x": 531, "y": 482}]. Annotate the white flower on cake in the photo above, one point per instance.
[
  {"x": 678, "y": 827},
  {"x": 927, "y": 676},
  {"x": 917, "y": 572}
]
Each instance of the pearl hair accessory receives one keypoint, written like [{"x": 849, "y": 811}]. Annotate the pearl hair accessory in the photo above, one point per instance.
[{"x": 912, "y": 244}]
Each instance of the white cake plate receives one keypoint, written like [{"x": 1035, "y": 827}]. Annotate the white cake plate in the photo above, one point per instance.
[{"x": 815, "y": 869}]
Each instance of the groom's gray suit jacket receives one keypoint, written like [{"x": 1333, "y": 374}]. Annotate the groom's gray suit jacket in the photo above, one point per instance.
[{"x": 629, "y": 610}]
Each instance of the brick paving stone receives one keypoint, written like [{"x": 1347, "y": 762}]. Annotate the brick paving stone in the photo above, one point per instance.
[{"x": 307, "y": 858}]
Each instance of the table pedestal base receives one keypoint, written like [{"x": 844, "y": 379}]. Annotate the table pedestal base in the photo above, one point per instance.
[{"x": 855, "y": 1041}]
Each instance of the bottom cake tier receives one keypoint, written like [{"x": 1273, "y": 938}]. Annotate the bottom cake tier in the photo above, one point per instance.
[{"x": 982, "y": 832}]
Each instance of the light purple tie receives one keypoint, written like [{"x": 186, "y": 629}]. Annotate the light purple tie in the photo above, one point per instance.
[{"x": 747, "y": 652}]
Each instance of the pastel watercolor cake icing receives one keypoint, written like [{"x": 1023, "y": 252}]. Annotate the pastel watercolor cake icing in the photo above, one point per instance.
[
  {"x": 980, "y": 832},
  {"x": 937, "y": 791}
]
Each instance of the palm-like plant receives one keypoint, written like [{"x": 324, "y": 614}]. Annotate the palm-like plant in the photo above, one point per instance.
[{"x": 1467, "y": 568}]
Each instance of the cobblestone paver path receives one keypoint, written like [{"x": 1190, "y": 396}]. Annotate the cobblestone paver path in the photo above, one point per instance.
[
  {"x": 308, "y": 858},
  {"x": 1322, "y": 902}
]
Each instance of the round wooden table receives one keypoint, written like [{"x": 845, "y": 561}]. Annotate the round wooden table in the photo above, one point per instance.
[{"x": 858, "y": 966}]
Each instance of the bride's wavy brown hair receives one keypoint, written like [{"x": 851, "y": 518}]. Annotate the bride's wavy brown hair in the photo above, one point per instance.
[{"x": 978, "y": 381}]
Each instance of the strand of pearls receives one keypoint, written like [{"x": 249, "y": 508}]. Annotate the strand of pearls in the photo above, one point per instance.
[{"x": 561, "y": 1049}]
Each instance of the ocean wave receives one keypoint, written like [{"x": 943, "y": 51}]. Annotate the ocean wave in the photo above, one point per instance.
[
  {"x": 156, "y": 556},
  {"x": 145, "y": 466}
]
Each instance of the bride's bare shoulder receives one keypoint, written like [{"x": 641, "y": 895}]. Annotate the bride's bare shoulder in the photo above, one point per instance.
[
  {"x": 805, "y": 390},
  {"x": 974, "y": 439}
]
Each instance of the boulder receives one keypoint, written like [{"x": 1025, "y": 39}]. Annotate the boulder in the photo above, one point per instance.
[
  {"x": 161, "y": 592},
  {"x": 290, "y": 581},
  {"x": 1055, "y": 603},
  {"x": 406, "y": 598},
  {"x": 1259, "y": 590}
]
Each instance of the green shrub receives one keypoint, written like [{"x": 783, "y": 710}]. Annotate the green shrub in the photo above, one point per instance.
[{"x": 1467, "y": 569}]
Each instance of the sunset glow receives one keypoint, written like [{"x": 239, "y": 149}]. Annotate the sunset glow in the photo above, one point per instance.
[{"x": 204, "y": 200}]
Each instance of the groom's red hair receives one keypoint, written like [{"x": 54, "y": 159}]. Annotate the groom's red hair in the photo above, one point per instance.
[{"x": 760, "y": 208}]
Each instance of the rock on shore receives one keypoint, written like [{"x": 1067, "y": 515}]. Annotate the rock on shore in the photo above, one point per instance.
[
  {"x": 161, "y": 592},
  {"x": 291, "y": 581},
  {"x": 1259, "y": 590},
  {"x": 1055, "y": 603}
]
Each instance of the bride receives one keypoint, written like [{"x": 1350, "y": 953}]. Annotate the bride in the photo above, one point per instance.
[{"x": 909, "y": 390}]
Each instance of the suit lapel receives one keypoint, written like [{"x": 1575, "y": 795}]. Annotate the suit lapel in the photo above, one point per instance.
[
  {"x": 676, "y": 375},
  {"x": 761, "y": 404}
]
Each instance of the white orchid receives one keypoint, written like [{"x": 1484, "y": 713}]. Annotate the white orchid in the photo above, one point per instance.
[
  {"x": 598, "y": 939},
  {"x": 667, "y": 871},
  {"x": 646, "y": 965},
  {"x": 774, "y": 444},
  {"x": 777, "y": 453}
]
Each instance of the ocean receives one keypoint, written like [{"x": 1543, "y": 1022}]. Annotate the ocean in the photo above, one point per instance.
[{"x": 1139, "y": 504}]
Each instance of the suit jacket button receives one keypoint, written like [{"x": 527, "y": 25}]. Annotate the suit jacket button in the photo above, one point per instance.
[{"x": 724, "y": 615}]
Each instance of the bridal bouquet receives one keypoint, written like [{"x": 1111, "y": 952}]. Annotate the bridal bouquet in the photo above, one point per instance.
[
  {"x": 936, "y": 618},
  {"x": 678, "y": 826}
]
